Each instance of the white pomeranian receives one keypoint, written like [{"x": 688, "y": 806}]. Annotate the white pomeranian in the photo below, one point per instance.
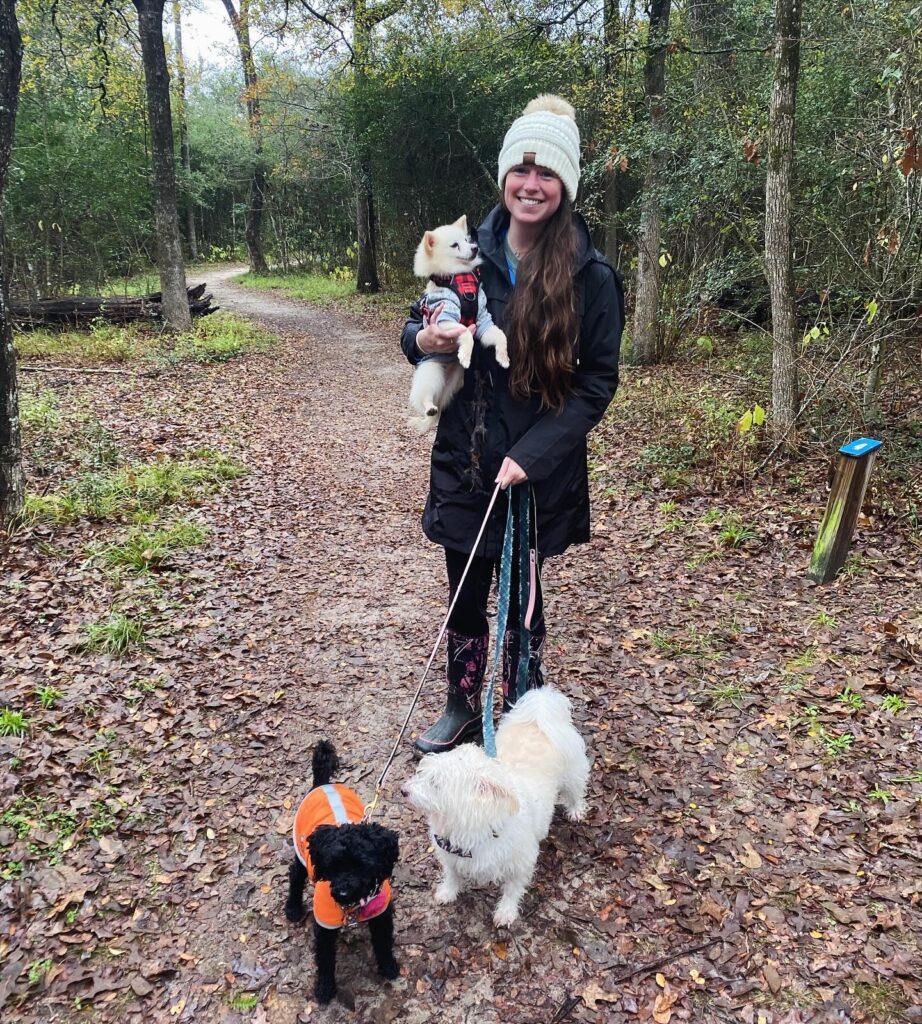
[
  {"x": 447, "y": 258},
  {"x": 487, "y": 816}
]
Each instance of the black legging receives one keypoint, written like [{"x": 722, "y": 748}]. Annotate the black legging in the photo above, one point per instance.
[{"x": 470, "y": 614}]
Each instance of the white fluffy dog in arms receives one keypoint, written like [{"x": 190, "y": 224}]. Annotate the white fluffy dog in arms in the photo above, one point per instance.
[
  {"x": 447, "y": 258},
  {"x": 487, "y": 816}
]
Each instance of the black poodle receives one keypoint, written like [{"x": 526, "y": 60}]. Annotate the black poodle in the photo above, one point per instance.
[{"x": 350, "y": 864}]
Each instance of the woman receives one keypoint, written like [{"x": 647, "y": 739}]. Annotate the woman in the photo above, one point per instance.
[{"x": 562, "y": 307}]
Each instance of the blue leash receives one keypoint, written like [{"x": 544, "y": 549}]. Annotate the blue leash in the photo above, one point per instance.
[{"x": 521, "y": 494}]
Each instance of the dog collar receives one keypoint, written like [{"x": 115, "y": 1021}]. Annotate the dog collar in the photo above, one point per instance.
[
  {"x": 444, "y": 844},
  {"x": 351, "y": 915}
]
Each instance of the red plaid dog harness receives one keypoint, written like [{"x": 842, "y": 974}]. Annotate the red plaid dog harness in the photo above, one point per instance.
[{"x": 465, "y": 286}]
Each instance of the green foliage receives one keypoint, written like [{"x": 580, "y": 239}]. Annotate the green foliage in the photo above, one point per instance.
[
  {"x": 133, "y": 488},
  {"x": 312, "y": 287},
  {"x": 243, "y": 1001},
  {"x": 48, "y": 696},
  {"x": 852, "y": 700},
  {"x": 38, "y": 969},
  {"x": 144, "y": 550},
  {"x": 116, "y": 635},
  {"x": 215, "y": 338},
  {"x": 893, "y": 704},
  {"x": 13, "y": 723},
  {"x": 39, "y": 412}
]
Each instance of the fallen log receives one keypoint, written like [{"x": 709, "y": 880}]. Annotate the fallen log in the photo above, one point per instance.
[{"x": 82, "y": 310}]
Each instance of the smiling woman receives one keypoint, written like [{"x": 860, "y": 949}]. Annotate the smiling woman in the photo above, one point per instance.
[{"x": 562, "y": 307}]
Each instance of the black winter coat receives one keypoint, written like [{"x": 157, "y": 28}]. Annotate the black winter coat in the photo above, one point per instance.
[{"x": 484, "y": 423}]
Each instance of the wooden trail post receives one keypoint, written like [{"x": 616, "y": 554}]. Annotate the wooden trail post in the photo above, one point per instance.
[{"x": 856, "y": 460}]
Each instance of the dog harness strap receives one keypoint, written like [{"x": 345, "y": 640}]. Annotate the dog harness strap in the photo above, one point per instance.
[{"x": 465, "y": 287}]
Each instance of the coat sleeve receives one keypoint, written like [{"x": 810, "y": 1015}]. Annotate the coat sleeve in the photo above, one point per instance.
[
  {"x": 555, "y": 435},
  {"x": 408, "y": 336}
]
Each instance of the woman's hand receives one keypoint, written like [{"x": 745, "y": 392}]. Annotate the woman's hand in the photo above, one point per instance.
[
  {"x": 438, "y": 339},
  {"x": 510, "y": 472}
]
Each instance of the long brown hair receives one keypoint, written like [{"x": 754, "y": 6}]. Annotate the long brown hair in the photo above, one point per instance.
[{"x": 542, "y": 322}]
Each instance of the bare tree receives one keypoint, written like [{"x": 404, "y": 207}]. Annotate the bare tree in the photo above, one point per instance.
[
  {"x": 166, "y": 217},
  {"x": 185, "y": 154},
  {"x": 256, "y": 203},
  {"x": 12, "y": 483},
  {"x": 647, "y": 328},
  {"x": 779, "y": 262}
]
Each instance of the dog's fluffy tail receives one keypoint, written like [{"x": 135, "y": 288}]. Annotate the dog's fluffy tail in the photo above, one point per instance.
[{"x": 324, "y": 763}]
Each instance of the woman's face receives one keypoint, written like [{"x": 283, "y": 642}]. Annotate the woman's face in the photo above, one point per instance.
[{"x": 531, "y": 193}]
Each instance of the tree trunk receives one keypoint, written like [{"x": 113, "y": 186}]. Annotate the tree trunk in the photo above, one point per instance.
[
  {"x": 710, "y": 21},
  {"x": 779, "y": 264},
  {"x": 12, "y": 481},
  {"x": 647, "y": 328},
  {"x": 256, "y": 199},
  {"x": 185, "y": 154},
  {"x": 613, "y": 40},
  {"x": 367, "y": 277},
  {"x": 166, "y": 215},
  {"x": 367, "y": 274}
]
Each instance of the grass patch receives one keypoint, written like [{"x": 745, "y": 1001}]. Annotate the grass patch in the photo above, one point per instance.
[
  {"x": 130, "y": 489},
  {"x": 13, "y": 723},
  {"x": 218, "y": 339},
  {"x": 39, "y": 411},
  {"x": 28, "y": 814},
  {"x": 678, "y": 646},
  {"x": 48, "y": 696},
  {"x": 117, "y": 635},
  {"x": 215, "y": 338},
  {"x": 731, "y": 693},
  {"x": 311, "y": 287},
  {"x": 339, "y": 289},
  {"x": 145, "y": 550},
  {"x": 102, "y": 343},
  {"x": 243, "y": 1000},
  {"x": 882, "y": 1002}
]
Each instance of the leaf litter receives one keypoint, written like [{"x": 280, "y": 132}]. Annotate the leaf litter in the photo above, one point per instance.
[{"x": 147, "y": 808}]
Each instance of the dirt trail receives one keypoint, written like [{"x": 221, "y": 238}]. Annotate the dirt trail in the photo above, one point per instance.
[
  {"x": 342, "y": 597},
  {"x": 751, "y": 846}
]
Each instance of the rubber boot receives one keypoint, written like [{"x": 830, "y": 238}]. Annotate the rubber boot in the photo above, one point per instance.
[
  {"x": 460, "y": 722},
  {"x": 535, "y": 676}
]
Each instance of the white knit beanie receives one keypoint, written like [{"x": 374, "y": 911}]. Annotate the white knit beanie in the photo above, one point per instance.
[{"x": 546, "y": 135}]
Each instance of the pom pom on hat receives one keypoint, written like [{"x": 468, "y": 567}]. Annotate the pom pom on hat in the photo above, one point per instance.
[{"x": 546, "y": 135}]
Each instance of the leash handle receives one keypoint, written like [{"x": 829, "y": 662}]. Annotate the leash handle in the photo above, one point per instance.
[{"x": 373, "y": 806}]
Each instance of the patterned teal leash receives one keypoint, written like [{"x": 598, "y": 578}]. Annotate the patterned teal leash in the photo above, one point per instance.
[
  {"x": 502, "y": 614},
  {"x": 525, "y": 539},
  {"x": 521, "y": 497}
]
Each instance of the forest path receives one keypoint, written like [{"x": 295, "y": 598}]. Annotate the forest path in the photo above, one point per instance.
[
  {"x": 332, "y": 619},
  {"x": 733, "y": 836}
]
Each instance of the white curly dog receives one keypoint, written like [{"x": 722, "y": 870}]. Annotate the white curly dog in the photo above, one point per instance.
[{"x": 487, "y": 816}]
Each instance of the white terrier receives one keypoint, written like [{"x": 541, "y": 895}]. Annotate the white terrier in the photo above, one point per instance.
[
  {"x": 447, "y": 259},
  {"x": 487, "y": 816}
]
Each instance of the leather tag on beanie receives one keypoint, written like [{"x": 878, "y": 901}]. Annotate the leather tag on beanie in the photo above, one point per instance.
[{"x": 528, "y": 158}]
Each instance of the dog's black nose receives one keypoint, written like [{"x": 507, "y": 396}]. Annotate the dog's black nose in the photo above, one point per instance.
[{"x": 474, "y": 250}]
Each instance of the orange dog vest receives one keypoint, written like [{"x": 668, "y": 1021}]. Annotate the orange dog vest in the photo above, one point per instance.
[{"x": 333, "y": 804}]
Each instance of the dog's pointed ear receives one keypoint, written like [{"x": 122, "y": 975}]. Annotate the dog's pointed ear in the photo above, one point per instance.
[
  {"x": 325, "y": 847},
  {"x": 429, "y": 241},
  {"x": 491, "y": 790},
  {"x": 461, "y": 222}
]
